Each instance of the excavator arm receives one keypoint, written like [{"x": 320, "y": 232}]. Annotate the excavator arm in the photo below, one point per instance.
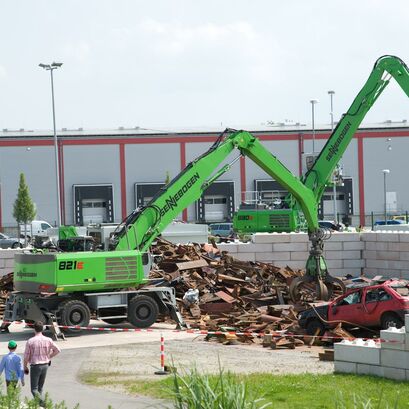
[
  {"x": 141, "y": 227},
  {"x": 384, "y": 69}
]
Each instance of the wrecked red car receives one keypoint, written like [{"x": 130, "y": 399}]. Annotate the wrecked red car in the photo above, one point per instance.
[{"x": 377, "y": 306}]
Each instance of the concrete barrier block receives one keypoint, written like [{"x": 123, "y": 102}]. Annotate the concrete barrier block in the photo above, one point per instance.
[
  {"x": 344, "y": 236},
  {"x": 299, "y": 255},
  {"x": 8, "y": 262},
  {"x": 374, "y": 370},
  {"x": 334, "y": 264},
  {"x": 246, "y": 256},
  {"x": 393, "y": 338},
  {"x": 358, "y": 351},
  {"x": 354, "y": 263},
  {"x": 353, "y": 245},
  {"x": 368, "y": 236},
  {"x": 376, "y": 245},
  {"x": 265, "y": 257},
  {"x": 230, "y": 247},
  {"x": 388, "y": 255},
  {"x": 403, "y": 255},
  {"x": 398, "y": 265},
  {"x": 345, "y": 367},
  {"x": 335, "y": 246},
  {"x": 394, "y": 373},
  {"x": 290, "y": 247},
  {"x": 270, "y": 238},
  {"x": 2, "y": 263},
  {"x": 407, "y": 323},
  {"x": 255, "y": 248},
  {"x": 386, "y": 236},
  {"x": 380, "y": 264},
  {"x": 8, "y": 270},
  {"x": 299, "y": 237},
  {"x": 333, "y": 255},
  {"x": 395, "y": 359},
  {"x": 404, "y": 237},
  {"x": 370, "y": 255}
]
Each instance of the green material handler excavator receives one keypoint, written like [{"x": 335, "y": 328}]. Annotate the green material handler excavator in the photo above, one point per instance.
[
  {"x": 287, "y": 217},
  {"x": 68, "y": 287}
]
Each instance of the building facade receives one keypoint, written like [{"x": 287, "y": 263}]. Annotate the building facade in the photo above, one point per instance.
[{"x": 105, "y": 175}]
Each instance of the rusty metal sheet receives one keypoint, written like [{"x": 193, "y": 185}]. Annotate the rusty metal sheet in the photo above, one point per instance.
[
  {"x": 188, "y": 265},
  {"x": 216, "y": 307},
  {"x": 225, "y": 297}
]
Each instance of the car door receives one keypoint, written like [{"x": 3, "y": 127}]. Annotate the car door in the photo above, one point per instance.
[
  {"x": 348, "y": 308},
  {"x": 377, "y": 301},
  {"x": 3, "y": 241}
]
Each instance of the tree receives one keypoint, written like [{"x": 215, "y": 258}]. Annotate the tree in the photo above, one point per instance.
[{"x": 24, "y": 210}]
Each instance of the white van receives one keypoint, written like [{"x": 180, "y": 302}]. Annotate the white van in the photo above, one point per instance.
[{"x": 35, "y": 228}]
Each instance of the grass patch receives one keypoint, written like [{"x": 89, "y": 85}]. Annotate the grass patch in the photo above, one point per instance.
[{"x": 285, "y": 391}]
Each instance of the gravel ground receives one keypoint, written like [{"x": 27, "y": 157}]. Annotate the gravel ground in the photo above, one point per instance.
[{"x": 139, "y": 361}]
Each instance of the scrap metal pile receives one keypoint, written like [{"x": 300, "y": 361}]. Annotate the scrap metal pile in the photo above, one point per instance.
[
  {"x": 216, "y": 291},
  {"x": 6, "y": 285}
]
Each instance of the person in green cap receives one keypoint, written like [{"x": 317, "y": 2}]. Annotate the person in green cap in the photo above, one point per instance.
[{"x": 12, "y": 366}]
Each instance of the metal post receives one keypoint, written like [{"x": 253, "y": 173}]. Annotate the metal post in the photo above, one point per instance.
[
  {"x": 51, "y": 68},
  {"x": 385, "y": 172},
  {"x": 334, "y": 186},
  {"x": 313, "y": 102},
  {"x": 57, "y": 161}
]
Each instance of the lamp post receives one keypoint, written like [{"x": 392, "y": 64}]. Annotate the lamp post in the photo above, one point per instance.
[
  {"x": 313, "y": 102},
  {"x": 51, "y": 68},
  {"x": 385, "y": 172},
  {"x": 334, "y": 185}
]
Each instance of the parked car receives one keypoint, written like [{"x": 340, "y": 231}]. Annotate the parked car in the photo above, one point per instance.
[
  {"x": 388, "y": 222},
  {"x": 221, "y": 229},
  {"x": 378, "y": 306},
  {"x": 327, "y": 224},
  {"x": 35, "y": 228},
  {"x": 7, "y": 242}
]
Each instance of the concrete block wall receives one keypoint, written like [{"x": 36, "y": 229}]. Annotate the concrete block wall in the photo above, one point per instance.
[
  {"x": 343, "y": 251},
  {"x": 7, "y": 261},
  {"x": 386, "y": 253},
  {"x": 388, "y": 359},
  {"x": 371, "y": 253}
]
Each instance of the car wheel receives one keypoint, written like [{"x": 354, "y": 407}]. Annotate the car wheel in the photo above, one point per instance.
[
  {"x": 315, "y": 327},
  {"x": 390, "y": 319},
  {"x": 142, "y": 311},
  {"x": 17, "y": 246},
  {"x": 73, "y": 313}
]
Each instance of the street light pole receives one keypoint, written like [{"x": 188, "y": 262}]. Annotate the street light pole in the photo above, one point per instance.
[
  {"x": 313, "y": 102},
  {"x": 334, "y": 185},
  {"x": 51, "y": 68},
  {"x": 385, "y": 172}
]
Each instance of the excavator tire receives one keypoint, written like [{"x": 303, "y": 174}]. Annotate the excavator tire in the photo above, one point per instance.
[
  {"x": 142, "y": 311},
  {"x": 73, "y": 313}
]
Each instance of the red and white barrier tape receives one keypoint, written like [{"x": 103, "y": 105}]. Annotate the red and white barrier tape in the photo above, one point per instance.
[{"x": 206, "y": 332}]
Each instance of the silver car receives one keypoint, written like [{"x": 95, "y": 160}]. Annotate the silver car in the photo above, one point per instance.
[{"x": 10, "y": 242}]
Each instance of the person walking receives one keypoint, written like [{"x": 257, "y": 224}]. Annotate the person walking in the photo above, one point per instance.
[
  {"x": 12, "y": 366},
  {"x": 38, "y": 353}
]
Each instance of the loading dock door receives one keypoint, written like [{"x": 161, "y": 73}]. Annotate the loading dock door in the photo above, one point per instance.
[{"x": 93, "y": 204}]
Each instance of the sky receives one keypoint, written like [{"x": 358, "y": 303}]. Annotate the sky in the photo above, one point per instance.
[{"x": 178, "y": 63}]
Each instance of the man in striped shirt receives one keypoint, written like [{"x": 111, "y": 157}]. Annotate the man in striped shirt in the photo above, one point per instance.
[{"x": 38, "y": 353}]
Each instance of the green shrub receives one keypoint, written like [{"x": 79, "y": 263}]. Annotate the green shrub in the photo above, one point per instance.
[{"x": 196, "y": 391}]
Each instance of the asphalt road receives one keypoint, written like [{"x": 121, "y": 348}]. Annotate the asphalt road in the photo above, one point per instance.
[{"x": 62, "y": 383}]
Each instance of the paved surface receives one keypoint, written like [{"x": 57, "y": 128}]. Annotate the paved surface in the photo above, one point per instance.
[{"x": 62, "y": 383}]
